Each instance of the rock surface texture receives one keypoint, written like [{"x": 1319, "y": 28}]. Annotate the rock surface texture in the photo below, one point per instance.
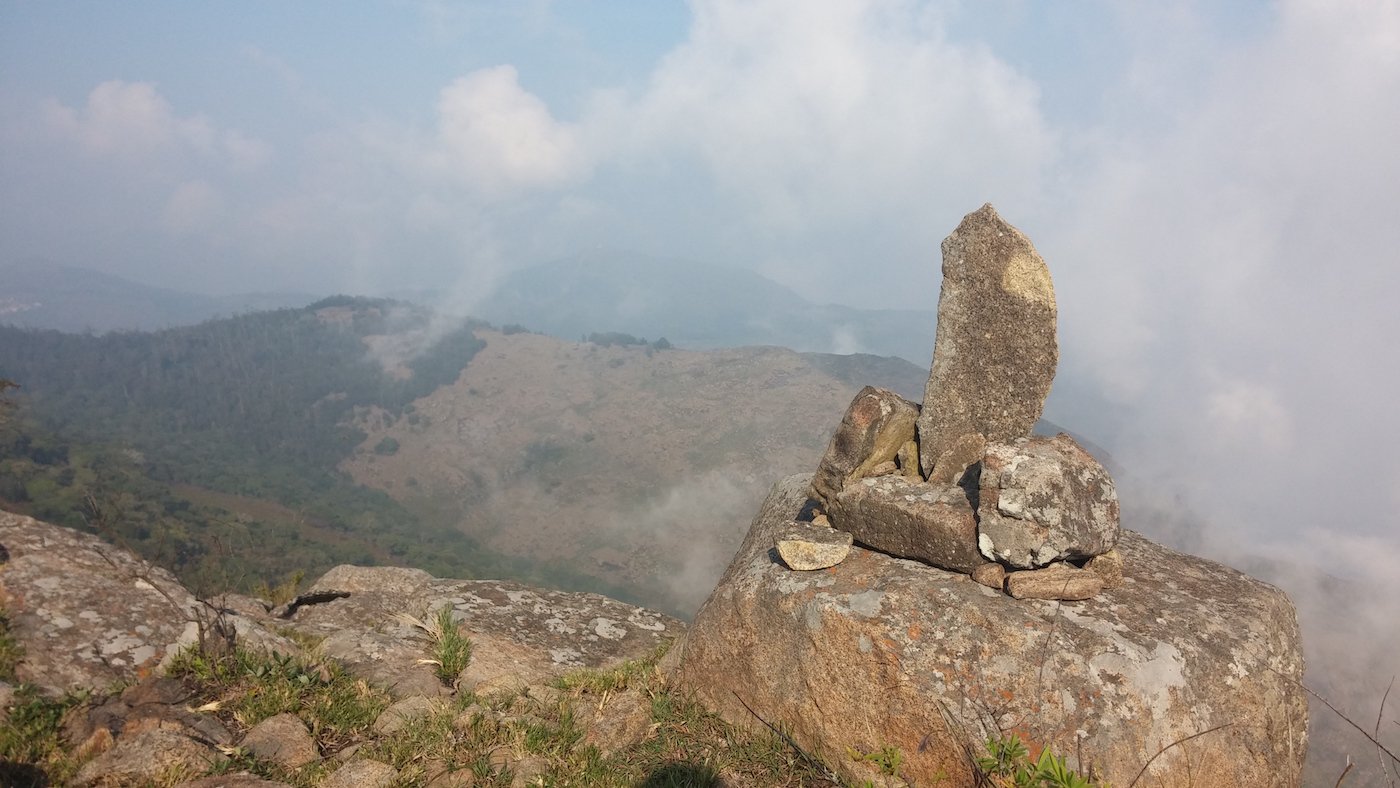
[
  {"x": 911, "y": 520},
  {"x": 883, "y": 652},
  {"x": 529, "y": 634},
  {"x": 1043, "y": 500},
  {"x": 90, "y": 614},
  {"x": 995, "y": 352}
]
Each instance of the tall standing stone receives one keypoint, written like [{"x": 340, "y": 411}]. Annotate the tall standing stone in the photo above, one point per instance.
[{"x": 995, "y": 353}]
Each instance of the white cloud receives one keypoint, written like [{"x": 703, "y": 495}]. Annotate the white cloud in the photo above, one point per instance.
[
  {"x": 848, "y": 111},
  {"x": 499, "y": 138},
  {"x": 132, "y": 119},
  {"x": 1249, "y": 413}
]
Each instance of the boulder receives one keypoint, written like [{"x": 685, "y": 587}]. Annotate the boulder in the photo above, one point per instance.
[
  {"x": 995, "y": 351},
  {"x": 282, "y": 739},
  {"x": 908, "y": 519},
  {"x": 89, "y": 614},
  {"x": 1042, "y": 500},
  {"x": 805, "y": 547},
  {"x": 149, "y": 757},
  {"x": 363, "y": 773},
  {"x": 520, "y": 635},
  {"x": 876, "y": 426},
  {"x": 880, "y": 652}
]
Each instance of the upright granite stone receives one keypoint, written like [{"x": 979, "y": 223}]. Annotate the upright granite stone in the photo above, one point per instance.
[
  {"x": 876, "y": 426},
  {"x": 995, "y": 353}
]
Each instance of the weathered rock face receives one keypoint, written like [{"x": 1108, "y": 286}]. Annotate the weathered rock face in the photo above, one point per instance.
[
  {"x": 528, "y": 634},
  {"x": 995, "y": 353},
  {"x": 1043, "y": 500},
  {"x": 876, "y": 426},
  {"x": 883, "y": 652},
  {"x": 77, "y": 605},
  {"x": 89, "y": 614},
  {"x": 918, "y": 520}
]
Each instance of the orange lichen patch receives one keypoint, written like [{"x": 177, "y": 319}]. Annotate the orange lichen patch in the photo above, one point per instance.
[{"x": 915, "y": 631}]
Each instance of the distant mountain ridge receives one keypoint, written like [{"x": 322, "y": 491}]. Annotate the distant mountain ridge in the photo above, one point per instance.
[
  {"x": 37, "y": 293},
  {"x": 696, "y": 305}
]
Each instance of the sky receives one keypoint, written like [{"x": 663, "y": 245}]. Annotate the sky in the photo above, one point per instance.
[{"x": 1215, "y": 186}]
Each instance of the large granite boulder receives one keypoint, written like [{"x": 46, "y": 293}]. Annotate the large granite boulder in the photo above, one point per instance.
[
  {"x": 89, "y": 614},
  {"x": 520, "y": 635},
  {"x": 1043, "y": 500},
  {"x": 995, "y": 352},
  {"x": 881, "y": 652},
  {"x": 876, "y": 425}
]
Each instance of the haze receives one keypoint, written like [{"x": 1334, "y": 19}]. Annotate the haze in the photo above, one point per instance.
[{"x": 1214, "y": 185}]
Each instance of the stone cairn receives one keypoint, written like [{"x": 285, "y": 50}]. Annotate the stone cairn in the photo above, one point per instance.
[{"x": 959, "y": 482}]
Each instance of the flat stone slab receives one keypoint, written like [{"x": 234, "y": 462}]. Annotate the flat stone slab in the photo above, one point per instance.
[
  {"x": 518, "y": 632},
  {"x": 881, "y": 652},
  {"x": 909, "y": 519},
  {"x": 806, "y": 547}
]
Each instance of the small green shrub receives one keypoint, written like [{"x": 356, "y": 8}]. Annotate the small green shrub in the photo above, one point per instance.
[
  {"x": 1008, "y": 763},
  {"x": 451, "y": 651},
  {"x": 888, "y": 758}
]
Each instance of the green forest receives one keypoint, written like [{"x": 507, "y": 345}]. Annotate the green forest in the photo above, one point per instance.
[{"x": 213, "y": 449}]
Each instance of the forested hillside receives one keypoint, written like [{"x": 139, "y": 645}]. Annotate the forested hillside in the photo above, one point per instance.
[{"x": 213, "y": 448}]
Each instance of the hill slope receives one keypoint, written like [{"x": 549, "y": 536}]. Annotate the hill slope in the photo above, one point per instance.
[
  {"x": 43, "y": 294},
  {"x": 631, "y": 463}
]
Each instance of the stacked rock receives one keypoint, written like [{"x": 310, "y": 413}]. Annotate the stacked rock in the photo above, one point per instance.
[{"x": 959, "y": 482}]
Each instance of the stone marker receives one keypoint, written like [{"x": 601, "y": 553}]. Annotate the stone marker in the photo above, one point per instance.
[
  {"x": 875, "y": 426},
  {"x": 1043, "y": 500},
  {"x": 995, "y": 353},
  {"x": 883, "y": 653},
  {"x": 805, "y": 547},
  {"x": 911, "y": 520},
  {"x": 1056, "y": 581}
]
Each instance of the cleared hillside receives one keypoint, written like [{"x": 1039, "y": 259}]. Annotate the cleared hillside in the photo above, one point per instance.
[{"x": 640, "y": 466}]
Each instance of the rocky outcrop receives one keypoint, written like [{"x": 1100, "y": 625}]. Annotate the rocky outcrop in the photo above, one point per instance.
[
  {"x": 995, "y": 352},
  {"x": 878, "y": 652},
  {"x": 90, "y": 614},
  {"x": 985, "y": 490},
  {"x": 528, "y": 635},
  {"x": 68, "y": 596}
]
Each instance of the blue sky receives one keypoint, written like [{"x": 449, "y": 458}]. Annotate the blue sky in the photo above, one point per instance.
[{"x": 1214, "y": 185}]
